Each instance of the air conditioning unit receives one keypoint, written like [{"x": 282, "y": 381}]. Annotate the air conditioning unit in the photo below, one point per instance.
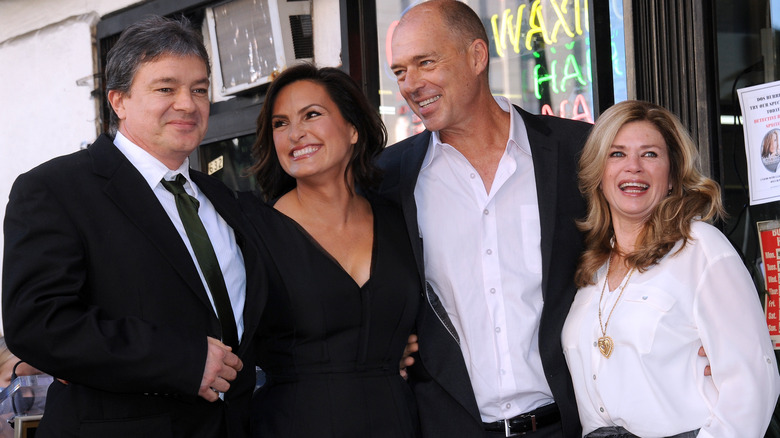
[{"x": 252, "y": 41}]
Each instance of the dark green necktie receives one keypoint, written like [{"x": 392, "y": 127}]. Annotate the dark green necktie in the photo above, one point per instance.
[{"x": 207, "y": 259}]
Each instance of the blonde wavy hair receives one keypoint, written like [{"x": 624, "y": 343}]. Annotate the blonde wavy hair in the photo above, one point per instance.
[{"x": 693, "y": 196}]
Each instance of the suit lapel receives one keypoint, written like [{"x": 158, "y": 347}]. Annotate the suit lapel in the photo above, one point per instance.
[
  {"x": 545, "y": 157},
  {"x": 411, "y": 161},
  {"x": 129, "y": 191}
]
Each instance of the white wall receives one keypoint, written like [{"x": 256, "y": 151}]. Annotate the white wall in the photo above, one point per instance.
[
  {"x": 326, "y": 19},
  {"x": 18, "y": 17},
  {"x": 44, "y": 112}
]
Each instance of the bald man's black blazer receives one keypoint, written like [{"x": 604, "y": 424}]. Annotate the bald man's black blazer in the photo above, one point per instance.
[
  {"x": 445, "y": 398},
  {"x": 100, "y": 290}
]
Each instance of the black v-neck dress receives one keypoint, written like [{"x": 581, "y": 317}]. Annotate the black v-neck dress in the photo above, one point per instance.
[{"x": 330, "y": 347}]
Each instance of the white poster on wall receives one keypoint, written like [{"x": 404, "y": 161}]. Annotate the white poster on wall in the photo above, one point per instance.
[{"x": 761, "y": 120}]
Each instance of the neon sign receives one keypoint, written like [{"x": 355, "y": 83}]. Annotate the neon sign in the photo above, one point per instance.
[
  {"x": 555, "y": 34},
  {"x": 513, "y": 29}
]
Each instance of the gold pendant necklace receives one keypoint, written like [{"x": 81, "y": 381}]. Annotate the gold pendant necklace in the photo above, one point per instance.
[{"x": 605, "y": 344}]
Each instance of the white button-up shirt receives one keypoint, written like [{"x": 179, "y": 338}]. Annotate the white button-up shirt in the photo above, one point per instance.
[
  {"x": 222, "y": 237},
  {"x": 653, "y": 384},
  {"x": 483, "y": 258}
]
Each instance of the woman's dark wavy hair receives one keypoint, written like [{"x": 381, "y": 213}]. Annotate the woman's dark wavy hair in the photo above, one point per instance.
[{"x": 272, "y": 180}]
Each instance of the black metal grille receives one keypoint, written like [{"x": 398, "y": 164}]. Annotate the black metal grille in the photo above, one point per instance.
[{"x": 303, "y": 41}]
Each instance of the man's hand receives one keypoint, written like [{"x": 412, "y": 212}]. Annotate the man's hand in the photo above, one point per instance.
[
  {"x": 707, "y": 369},
  {"x": 407, "y": 360},
  {"x": 222, "y": 367}
]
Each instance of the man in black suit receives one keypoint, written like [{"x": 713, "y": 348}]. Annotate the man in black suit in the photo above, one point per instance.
[
  {"x": 490, "y": 196},
  {"x": 102, "y": 287}
]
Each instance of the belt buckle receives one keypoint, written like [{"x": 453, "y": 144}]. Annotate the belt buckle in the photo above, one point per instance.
[{"x": 508, "y": 428}]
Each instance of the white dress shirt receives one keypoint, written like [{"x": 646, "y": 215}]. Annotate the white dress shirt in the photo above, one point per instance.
[
  {"x": 653, "y": 384},
  {"x": 222, "y": 236},
  {"x": 483, "y": 258}
]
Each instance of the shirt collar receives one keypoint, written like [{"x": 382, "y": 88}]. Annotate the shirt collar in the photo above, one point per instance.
[
  {"x": 151, "y": 169},
  {"x": 518, "y": 136}
]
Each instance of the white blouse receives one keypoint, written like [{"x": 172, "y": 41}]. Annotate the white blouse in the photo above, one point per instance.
[{"x": 653, "y": 384}]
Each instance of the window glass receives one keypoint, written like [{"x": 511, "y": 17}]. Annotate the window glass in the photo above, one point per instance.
[{"x": 228, "y": 160}]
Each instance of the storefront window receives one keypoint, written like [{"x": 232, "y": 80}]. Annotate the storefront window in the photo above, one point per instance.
[
  {"x": 540, "y": 58},
  {"x": 228, "y": 161}
]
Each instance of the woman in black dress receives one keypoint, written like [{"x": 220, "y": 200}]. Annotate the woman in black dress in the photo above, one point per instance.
[{"x": 331, "y": 342}]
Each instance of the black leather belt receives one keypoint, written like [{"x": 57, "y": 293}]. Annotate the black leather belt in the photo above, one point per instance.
[{"x": 528, "y": 422}]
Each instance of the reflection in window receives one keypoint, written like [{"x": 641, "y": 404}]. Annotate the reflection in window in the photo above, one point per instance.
[
  {"x": 618, "y": 50},
  {"x": 228, "y": 161}
]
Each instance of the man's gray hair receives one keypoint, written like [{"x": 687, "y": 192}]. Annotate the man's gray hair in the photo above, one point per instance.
[{"x": 146, "y": 41}]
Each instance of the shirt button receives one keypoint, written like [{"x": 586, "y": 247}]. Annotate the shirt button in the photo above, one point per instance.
[
  {"x": 503, "y": 372},
  {"x": 594, "y": 377},
  {"x": 473, "y": 176},
  {"x": 492, "y": 290},
  {"x": 486, "y": 212},
  {"x": 595, "y": 344},
  {"x": 498, "y": 329},
  {"x": 601, "y": 409},
  {"x": 508, "y": 405},
  {"x": 490, "y": 251}
]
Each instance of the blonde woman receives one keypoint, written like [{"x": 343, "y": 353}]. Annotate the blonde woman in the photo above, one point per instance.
[{"x": 657, "y": 282}]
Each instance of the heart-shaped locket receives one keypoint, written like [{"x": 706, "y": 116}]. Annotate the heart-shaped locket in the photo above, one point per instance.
[{"x": 606, "y": 346}]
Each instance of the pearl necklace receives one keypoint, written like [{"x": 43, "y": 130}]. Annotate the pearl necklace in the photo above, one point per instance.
[{"x": 605, "y": 343}]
